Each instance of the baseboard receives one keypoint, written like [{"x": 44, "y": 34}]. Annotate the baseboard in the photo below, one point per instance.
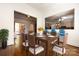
[
  {"x": 11, "y": 45},
  {"x": 73, "y": 46}
]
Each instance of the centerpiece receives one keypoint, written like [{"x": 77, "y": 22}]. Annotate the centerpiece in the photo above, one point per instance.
[{"x": 40, "y": 29}]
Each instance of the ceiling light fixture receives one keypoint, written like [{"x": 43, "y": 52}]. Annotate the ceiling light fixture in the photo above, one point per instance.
[{"x": 28, "y": 16}]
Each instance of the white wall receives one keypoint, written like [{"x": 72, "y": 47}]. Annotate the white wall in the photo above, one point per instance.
[
  {"x": 73, "y": 35},
  {"x": 7, "y": 16}
]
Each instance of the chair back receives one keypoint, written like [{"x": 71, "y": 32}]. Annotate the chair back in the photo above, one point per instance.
[
  {"x": 65, "y": 39},
  {"x": 61, "y": 32},
  {"x": 31, "y": 40},
  {"x": 53, "y": 31},
  {"x": 63, "y": 36}
]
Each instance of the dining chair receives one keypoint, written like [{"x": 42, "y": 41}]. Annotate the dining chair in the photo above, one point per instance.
[
  {"x": 61, "y": 48},
  {"x": 25, "y": 40},
  {"x": 53, "y": 31},
  {"x": 25, "y": 44},
  {"x": 61, "y": 35},
  {"x": 34, "y": 49}
]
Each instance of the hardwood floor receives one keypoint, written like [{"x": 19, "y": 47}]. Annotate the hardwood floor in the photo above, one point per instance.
[
  {"x": 72, "y": 51},
  {"x": 19, "y": 50}
]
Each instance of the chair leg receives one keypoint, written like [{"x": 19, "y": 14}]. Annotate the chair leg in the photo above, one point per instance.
[
  {"x": 56, "y": 54},
  {"x": 63, "y": 54}
]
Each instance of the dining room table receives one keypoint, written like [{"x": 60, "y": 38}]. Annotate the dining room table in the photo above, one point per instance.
[{"x": 49, "y": 41}]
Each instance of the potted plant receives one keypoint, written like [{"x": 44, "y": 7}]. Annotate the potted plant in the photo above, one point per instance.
[{"x": 4, "y": 37}]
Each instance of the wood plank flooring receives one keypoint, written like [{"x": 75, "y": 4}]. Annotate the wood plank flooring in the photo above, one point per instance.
[{"x": 19, "y": 50}]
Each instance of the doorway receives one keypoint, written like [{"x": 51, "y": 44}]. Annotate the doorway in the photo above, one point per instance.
[{"x": 23, "y": 24}]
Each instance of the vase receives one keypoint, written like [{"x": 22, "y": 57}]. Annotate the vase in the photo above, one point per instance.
[{"x": 41, "y": 33}]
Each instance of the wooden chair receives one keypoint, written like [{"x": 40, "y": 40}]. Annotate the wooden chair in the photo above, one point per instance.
[
  {"x": 25, "y": 44},
  {"x": 61, "y": 35},
  {"x": 25, "y": 41},
  {"x": 33, "y": 47},
  {"x": 60, "y": 49}
]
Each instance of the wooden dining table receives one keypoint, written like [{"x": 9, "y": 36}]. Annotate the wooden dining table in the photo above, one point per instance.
[{"x": 49, "y": 42}]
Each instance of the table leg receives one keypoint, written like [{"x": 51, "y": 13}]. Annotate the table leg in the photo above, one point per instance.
[
  {"x": 48, "y": 48},
  {"x": 58, "y": 40}
]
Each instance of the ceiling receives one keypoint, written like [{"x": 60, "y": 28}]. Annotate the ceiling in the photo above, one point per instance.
[
  {"x": 66, "y": 15},
  {"x": 44, "y": 7}
]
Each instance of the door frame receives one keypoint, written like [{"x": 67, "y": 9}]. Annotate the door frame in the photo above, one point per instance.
[{"x": 35, "y": 22}]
